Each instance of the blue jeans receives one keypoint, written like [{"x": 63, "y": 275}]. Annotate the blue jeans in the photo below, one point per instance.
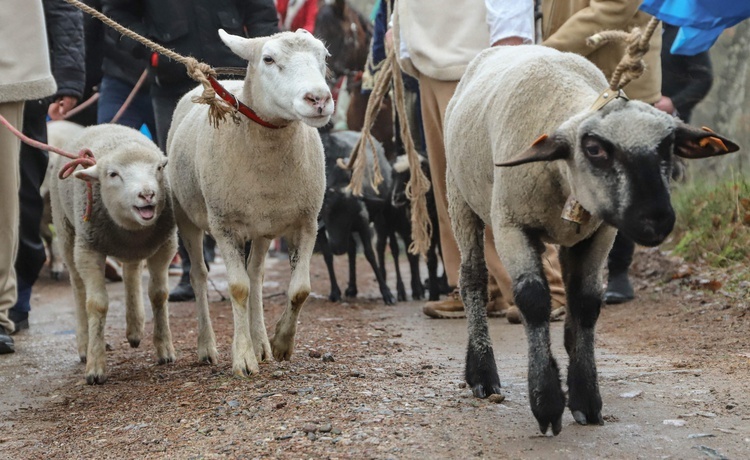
[{"x": 113, "y": 93}]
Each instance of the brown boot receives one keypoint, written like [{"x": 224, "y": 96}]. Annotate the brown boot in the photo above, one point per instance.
[{"x": 450, "y": 308}]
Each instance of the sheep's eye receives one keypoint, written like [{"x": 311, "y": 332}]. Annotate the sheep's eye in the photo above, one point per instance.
[
  {"x": 268, "y": 59},
  {"x": 158, "y": 168},
  {"x": 113, "y": 174},
  {"x": 595, "y": 151}
]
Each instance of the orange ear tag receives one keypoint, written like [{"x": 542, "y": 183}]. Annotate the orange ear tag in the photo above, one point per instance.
[
  {"x": 715, "y": 141},
  {"x": 539, "y": 140},
  {"x": 704, "y": 128}
]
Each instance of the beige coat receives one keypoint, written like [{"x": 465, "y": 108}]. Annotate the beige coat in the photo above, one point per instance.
[
  {"x": 567, "y": 23},
  {"x": 24, "y": 62}
]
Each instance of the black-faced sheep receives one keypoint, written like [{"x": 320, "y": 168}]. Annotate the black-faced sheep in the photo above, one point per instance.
[
  {"x": 245, "y": 182},
  {"x": 615, "y": 162},
  {"x": 131, "y": 220}
]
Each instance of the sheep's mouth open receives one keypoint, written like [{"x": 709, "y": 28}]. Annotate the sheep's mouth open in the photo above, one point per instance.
[{"x": 146, "y": 212}]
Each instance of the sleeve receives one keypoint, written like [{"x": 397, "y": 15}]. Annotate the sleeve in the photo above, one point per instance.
[
  {"x": 598, "y": 16},
  {"x": 66, "y": 46},
  {"x": 310, "y": 12},
  {"x": 510, "y": 18},
  {"x": 259, "y": 17},
  {"x": 129, "y": 13},
  {"x": 698, "y": 67}
]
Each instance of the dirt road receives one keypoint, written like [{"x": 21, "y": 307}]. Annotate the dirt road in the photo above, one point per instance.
[{"x": 674, "y": 375}]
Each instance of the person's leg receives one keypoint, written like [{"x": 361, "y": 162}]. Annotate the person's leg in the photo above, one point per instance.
[
  {"x": 619, "y": 289},
  {"x": 9, "y": 210},
  {"x": 164, "y": 106},
  {"x": 33, "y": 166}
]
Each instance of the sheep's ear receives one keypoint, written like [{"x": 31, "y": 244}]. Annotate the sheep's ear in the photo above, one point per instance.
[
  {"x": 164, "y": 163},
  {"x": 241, "y": 46},
  {"x": 90, "y": 174},
  {"x": 546, "y": 148},
  {"x": 691, "y": 142}
]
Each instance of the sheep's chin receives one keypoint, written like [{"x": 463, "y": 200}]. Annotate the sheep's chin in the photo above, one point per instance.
[{"x": 316, "y": 121}]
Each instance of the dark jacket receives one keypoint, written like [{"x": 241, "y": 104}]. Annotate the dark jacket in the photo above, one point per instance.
[
  {"x": 190, "y": 27},
  {"x": 66, "y": 48},
  {"x": 685, "y": 79}
]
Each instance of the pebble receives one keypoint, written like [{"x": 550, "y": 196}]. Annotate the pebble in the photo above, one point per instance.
[
  {"x": 310, "y": 428},
  {"x": 631, "y": 394},
  {"x": 280, "y": 405},
  {"x": 674, "y": 422},
  {"x": 356, "y": 374},
  {"x": 277, "y": 374},
  {"x": 328, "y": 358},
  {"x": 314, "y": 354},
  {"x": 701, "y": 435},
  {"x": 462, "y": 385},
  {"x": 706, "y": 414},
  {"x": 326, "y": 428},
  {"x": 731, "y": 406},
  {"x": 311, "y": 436},
  {"x": 399, "y": 374},
  {"x": 336, "y": 431},
  {"x": 233, "y": 403},
  {"x": 496, "y": 398},
  {"x": 325, "y": 438}
]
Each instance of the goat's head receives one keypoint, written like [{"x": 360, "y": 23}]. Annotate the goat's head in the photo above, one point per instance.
[
  {"x": 132, "y": 185},
  {"x": 620, "y": 160},
  {"x": 401, "y": 174},
  {"x": 286, "y": 76}
]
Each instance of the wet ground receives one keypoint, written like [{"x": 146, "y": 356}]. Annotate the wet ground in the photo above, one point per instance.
[{"x": 674, "y": 372}]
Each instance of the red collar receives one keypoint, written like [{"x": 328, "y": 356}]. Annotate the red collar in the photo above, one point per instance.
[{"x": 237, "y": 104}]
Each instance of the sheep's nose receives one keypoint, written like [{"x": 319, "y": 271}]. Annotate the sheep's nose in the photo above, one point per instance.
[
  {"x": 147, "y": 195},
  {"x": 318, "y": 100}
]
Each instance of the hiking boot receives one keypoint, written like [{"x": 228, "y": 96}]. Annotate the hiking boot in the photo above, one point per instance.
[
  {"x": 183, "y": 292},
  {"x": 21, "y": 319},
  {"x": 513, "y": 315},
  {"x": 619, "y": 289},
  {"x": 6, "y": 342},
  {"x": 450, "y": 308}
]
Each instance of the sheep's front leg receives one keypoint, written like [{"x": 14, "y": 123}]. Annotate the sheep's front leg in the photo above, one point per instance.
[
  {"x": 79, "y": 294},
  {"x": 582, "y": 271},
  {"x": 300, "y": 252},
  {"x": 158, "y": 293},
  {"x": 134, "y": 315},
  {"x": 521, "y": 255},
  {"x": 256, "y": 271},
  {"x": 192, "y": 238},
  {"x": 481, "y": 371},
  {"x": 244, "y": 361},
  {"x": 90, "y": 266}
]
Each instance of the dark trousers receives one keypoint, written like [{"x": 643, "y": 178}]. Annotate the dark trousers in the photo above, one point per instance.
[
  {"x": 113, "y": 93},
  {"x": 33, "y": 165},
  {"x": 621, "y": 255}
]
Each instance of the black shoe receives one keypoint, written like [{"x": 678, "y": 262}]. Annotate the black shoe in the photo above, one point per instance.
[
  {"x": 619, "y": 289},
  {"x": 6, "y": 342},
  {"x": 21, "y": 319},
  {"x": 183, "y": 292}
]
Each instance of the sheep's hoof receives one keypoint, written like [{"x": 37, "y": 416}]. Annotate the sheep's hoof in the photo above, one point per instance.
[
  {"x": 96, "y": 378},
  {"x": 581, "y": 418},
  {"x": 82, "y": 358},
  {"x": 556, "y": 426},
  {"x": 134, "y": 343},
  {"x": 483, "y": 391}
]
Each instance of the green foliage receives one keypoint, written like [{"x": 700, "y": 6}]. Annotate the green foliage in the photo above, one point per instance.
[{"x": 713, "y": 221}]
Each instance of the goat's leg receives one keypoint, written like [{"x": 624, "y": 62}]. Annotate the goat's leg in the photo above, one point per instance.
[
  {"x": 325, "y": 248},
  {"x": 79, "y": 295},
  {"x": 521, "y": 255},
  {"x": 244, "y": 361},
  {"x": 134, "y": 315},
  {"x": 90, "y": 266},
  {"x": 158, "y": 293},
  {"x": 582, "y": 270},
  {"x": 351, "y": 289},
  {"x": 417, "y": 287},
  {"x": 364, "y": 235},
  {"x": 481, "y": 371},
  {"x": 432, "y": 268},
  {"x": 300, "y": 252},
  {"x": 395, "y": 252},
  {"x": 256, "y": 272},
  {"x": 192, "y": 238}
]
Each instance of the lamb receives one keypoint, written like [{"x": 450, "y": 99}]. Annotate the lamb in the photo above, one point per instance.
[
  {"x": 614, "y": 161},
  {"x": 132, "y": 220},
  {"x": 245, "y": 182}
]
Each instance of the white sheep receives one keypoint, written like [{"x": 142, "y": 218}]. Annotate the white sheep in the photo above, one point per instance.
[
  {"x": 245, "y": 182},
  {"x": 131, "y": 220},
  {"x": 615, "y": 161}
]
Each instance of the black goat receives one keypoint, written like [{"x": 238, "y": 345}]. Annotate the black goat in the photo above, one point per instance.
[{"x": 345, "y": 215}]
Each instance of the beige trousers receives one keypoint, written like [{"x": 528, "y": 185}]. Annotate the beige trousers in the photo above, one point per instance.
[
  {"x": 435, "y": 95},
  {"x": 10, "y": 148}
]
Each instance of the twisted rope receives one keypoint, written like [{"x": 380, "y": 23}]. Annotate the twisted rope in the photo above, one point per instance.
[
  {"x": 84, "y": 158},
  {"x": 198, "y": 71},
  {"x": 631, "y": 65},
  {"x": 419, "y": 185}
]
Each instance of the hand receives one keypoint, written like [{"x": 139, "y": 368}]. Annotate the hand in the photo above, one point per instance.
[
  {"x": 58, "y": 109},
  {"x": 665, "y": 105},
  {"x": 509, "y": 41},
  {"x": 388, "y": 39}
]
